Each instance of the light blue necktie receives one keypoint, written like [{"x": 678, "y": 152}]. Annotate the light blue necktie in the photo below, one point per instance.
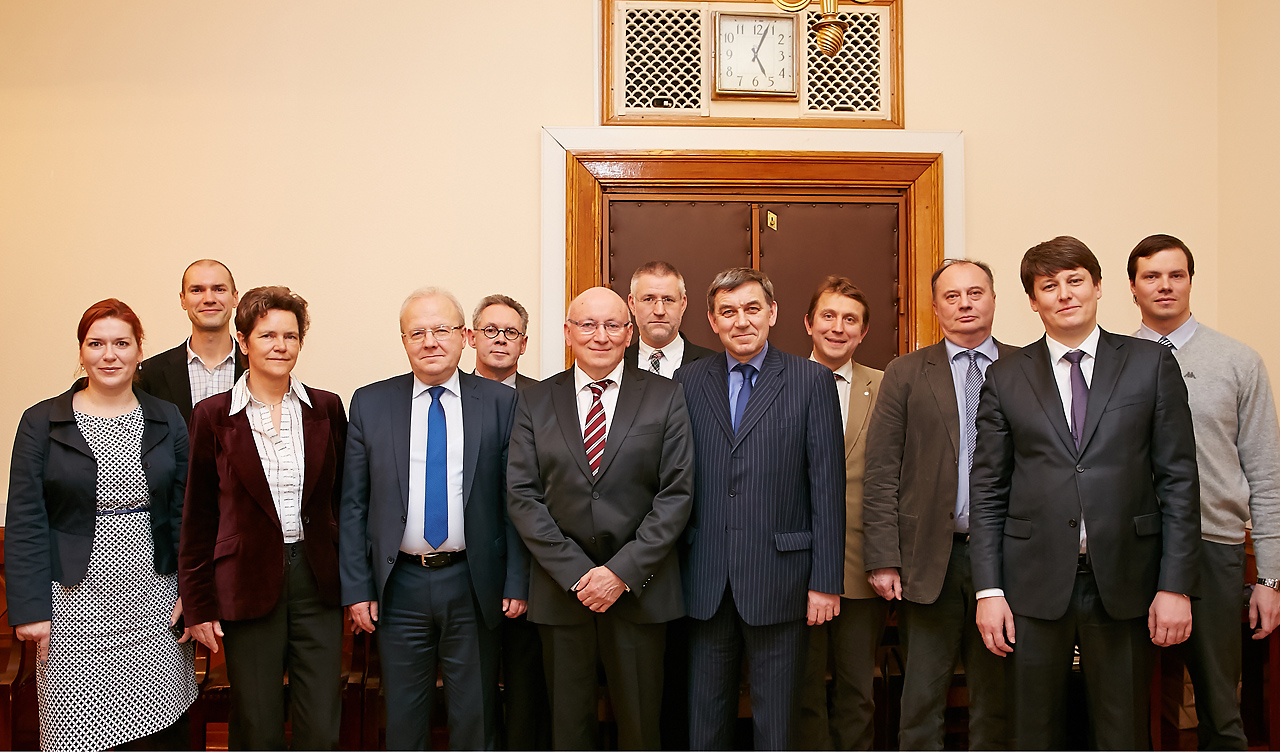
[
  {"x": 744, "y": 394},
  {"x": 435, "y": 516}
]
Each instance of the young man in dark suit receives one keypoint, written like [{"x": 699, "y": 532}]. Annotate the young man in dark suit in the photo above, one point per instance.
[
  {"x": 766, "y": 541},
  {"x": 1085, "y": 509},
  {"x": 599, "y": 486},
  {"x": 426, "y": 553},
  {"x": 208, "y": 363},
  {"x": 658, "y": 302}
]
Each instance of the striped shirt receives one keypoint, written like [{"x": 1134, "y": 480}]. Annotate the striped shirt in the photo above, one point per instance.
[
  {"x": 282, "y": 452},
  {"x": 206, "y": 381}
]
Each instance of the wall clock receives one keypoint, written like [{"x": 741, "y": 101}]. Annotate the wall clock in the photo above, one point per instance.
[{"x": 755, "y": 55}]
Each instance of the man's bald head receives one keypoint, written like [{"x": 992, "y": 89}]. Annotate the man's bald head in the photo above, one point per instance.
[{"x": 597, "y": 331}]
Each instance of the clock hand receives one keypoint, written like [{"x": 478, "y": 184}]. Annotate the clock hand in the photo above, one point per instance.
[{"x": 755, "y": 54}]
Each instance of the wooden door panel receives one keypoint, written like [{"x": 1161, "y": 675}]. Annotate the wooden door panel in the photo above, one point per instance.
[
  {"x": 699, "y": 238},
  {"x": 812, "y": 240}
]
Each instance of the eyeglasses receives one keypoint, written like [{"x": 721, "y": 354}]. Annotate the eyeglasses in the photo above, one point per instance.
[
  {"x": 511, "y": 333},
  {"x": 612, "y": 328},
  {"x": 418, "y": 336}
]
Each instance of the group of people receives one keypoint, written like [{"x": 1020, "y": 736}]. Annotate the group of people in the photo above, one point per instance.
[{"x": 662, "y": 511}]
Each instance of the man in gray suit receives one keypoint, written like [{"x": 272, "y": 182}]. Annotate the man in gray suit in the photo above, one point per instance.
[
  {"x": 426, "y": 554},
  {"x": 500, "y": 333},
  {"x": 915, "y": 510},
  {"x": 599, "y": 486},
  {"x": 766, "y": 541}
]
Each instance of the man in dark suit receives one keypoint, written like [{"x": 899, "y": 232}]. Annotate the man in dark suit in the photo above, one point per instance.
[
  {"x": 1086, "y": 509},
  {"x": 658, "y": 302},
  {"x": 766, "y": 540},
  {"x": 599, "y": 486},
  {"x": 427, "y": 555},
  {"x": 208, "y": 363},
  {"x": 500, "y": 333},
  {"x": 916, "y": 511}
]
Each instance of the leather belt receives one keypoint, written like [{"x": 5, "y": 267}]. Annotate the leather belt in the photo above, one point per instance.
[
  {"x": 1083, "y": 565},
  {"x": 436, "y": 560}
]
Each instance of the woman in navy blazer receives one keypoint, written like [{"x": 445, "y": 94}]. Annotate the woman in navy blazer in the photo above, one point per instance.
[
  {"x": 95, "y": 501},
  {"x": 259, "y": 556}
]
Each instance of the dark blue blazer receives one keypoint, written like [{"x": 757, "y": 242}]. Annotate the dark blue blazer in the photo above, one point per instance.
[
  {"x": 53, "y": 491},
  {"x": 768, "y": 510},
  {"x": 375, "y": 491}
]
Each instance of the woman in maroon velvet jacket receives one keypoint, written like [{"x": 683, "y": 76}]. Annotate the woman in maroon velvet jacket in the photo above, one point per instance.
[{"x": 257, "y": 562}]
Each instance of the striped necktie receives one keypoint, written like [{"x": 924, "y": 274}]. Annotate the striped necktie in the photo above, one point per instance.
[
  {"x": 594, "y": 434},
  {"x": 1167, "y": 343},
  {"x": 973, "y": 379}
]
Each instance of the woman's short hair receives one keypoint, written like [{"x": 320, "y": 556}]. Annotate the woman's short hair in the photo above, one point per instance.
[
  {"x": 109, "y": 309},
  {"x": 255, "y": 304}
]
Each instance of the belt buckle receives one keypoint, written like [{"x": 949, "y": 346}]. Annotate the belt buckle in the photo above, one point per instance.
[{"x": 435, "y": 561}]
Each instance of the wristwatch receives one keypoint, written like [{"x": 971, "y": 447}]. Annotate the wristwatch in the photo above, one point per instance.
[{"x": 1269, "y": 582}]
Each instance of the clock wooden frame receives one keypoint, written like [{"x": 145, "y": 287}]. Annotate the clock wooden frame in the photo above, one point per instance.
[{"x": 797, "y": 31}]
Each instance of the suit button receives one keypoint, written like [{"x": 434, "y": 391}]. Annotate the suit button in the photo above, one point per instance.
[
  {"x": 146, "y": 465},
  {"x": 391, "y": 560},
  {"x": 595, "y": 494},
  {"x": 306, "y": 520},
  {"x": 1079, "y": 469},
  {"x": 732, "y": 492},
  {"x": 1071, "y": 523},
  {"x": 593, "y": 539},
  {"x": 404, "y": 518},
  {"x": 952, "y": 515}
]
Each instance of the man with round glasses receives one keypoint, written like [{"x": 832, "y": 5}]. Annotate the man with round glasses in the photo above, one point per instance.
[{"x": 499, "y": 334}]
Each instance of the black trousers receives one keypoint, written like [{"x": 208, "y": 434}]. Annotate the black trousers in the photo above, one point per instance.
[
  {"x": 1212, "y": 653},
  {"x": 632, "y": 658},
  {"x": 429, "y": 619},
  {"x": 854, "y": 637},
  {"x": 1115, "y": 657},
  {"x": 301, "y": 636},
  {"x": 775, "y": 655},
  {"x": 526, "y": 711},
  {"x": 936, "y": 636}
]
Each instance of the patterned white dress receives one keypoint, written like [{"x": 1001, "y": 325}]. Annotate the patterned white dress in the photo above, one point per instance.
[{"x": 115, "y": 670}]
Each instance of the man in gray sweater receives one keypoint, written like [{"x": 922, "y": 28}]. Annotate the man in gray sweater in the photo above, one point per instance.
[{"x": 1238, "y": 454}]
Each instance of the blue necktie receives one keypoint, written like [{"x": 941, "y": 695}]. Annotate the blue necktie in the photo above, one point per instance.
[
  {"x": 435, "y": 516},
  {"x": 740, "y": 405}
]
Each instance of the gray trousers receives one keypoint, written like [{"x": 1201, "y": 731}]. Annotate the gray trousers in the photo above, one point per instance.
[
  {"x": 301, "y": 635},
  {"x": 1213, "y": 651},
  {"x": 936, "y": 636},
  {"x": 853, "y": 638}
]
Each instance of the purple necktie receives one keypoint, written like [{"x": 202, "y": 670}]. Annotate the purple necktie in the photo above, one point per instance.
[{"x": 1079, "y": 395}]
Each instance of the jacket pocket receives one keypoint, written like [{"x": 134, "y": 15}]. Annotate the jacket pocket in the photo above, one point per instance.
[
  {"x": 1016, "y": 527},
  {"x": 226, "y": 547},
  {"x": 798, "y": 541},
  {"x": 1147, "y": 524},
  {"x": 646, "y": 428}
]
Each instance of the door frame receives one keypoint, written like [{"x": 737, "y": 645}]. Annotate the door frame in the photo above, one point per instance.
[{"x": 580, "y": 164}]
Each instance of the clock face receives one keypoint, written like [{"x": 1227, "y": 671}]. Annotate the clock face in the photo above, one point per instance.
[{"x": 755, "y": 55}]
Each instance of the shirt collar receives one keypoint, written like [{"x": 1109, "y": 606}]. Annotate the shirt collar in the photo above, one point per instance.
[
  {"x": 191, "y": 355},
  {"x": 451, "y": 386},
  {"x": 241, "y": 396},
  {"x": 987, "y": 347},
  {"x": 845, "y": 371},
  {"x": 1179, "y": 337},
  {"x": 580, "y": 379},
  {"x": 670, "y": 351},
  {"x": 1089, "y": 346},
  {"x": 756, "y": 361}
]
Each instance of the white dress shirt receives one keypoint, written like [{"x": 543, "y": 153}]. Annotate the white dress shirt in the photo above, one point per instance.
[
  {"x": 207, "y": 380},
  {"x": 1062, "y": 374},
  {"x": 608, "y": 400},
  {"x": 282, "y": 453},
  {"x": 844, "y": 383},
  {"x": 672, "y": 357},
  {"x": 414, "y": 542}
]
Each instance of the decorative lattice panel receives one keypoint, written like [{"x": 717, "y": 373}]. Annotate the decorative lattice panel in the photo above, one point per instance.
[
  {"x": 663, "y": 58},
  {"x": 850, "y": 81}
]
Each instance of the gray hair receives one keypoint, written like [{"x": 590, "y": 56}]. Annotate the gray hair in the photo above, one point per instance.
[
  {"x": 502, "y": 300},
  {"x": 657, "y": 269},
  {"x": 434, "y": 292},
  {"x": 732, "y": 279}
]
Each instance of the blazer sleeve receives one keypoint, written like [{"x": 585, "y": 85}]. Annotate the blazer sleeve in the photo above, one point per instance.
[
  {"x": 181, "y": 459},
  {"x": 990, "y": 482},
  {"x": 886, "y": 441},
  {"x": 561, "y": 557},
  {"x": 662, "y": 526},
  {"x": 338, "y": 435},
  {"x": 200, "y": 522},
  {"x": 28, "y": 554},
  {"x": 825, "y": 437},
  {"x": 354, "y": 568},
  {"x": 1177, "y": 482},
  {"x": 517, "y": 582}
]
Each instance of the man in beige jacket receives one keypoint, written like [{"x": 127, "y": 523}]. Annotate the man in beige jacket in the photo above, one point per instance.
[{"x": 837, "y": 321}]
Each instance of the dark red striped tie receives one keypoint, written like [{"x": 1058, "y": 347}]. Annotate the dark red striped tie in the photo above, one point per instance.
[{"x": 593, "y": 435}]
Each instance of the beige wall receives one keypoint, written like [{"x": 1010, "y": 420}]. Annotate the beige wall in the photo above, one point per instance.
[{"x": 354, "y": 151}]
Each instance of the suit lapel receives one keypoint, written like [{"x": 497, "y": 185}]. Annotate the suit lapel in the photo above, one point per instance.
[
  {"x": 630, "y": 393},
  {"x": 564, "y": 399},
  {"x": 1107, "y": 365},
  {"x": 1040, "y": 374},
  {"x": 768, "y": 386},
  {"x": 716, "y": 387},
  {"x": 937, "y": 372},
  {"x": 472, "y": 412},
  {"x": 859, "y": 407},
  {"x": 237, "y": 437},
  {"x": 315, "y": 435},
  {"x": 401, "y": 419}
]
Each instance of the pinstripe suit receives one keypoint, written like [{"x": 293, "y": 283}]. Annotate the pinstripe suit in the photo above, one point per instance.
[{"x": 767, "y": 527}]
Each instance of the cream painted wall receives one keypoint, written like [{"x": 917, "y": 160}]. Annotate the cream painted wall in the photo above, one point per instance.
[{"x": 354, "y": 151}]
